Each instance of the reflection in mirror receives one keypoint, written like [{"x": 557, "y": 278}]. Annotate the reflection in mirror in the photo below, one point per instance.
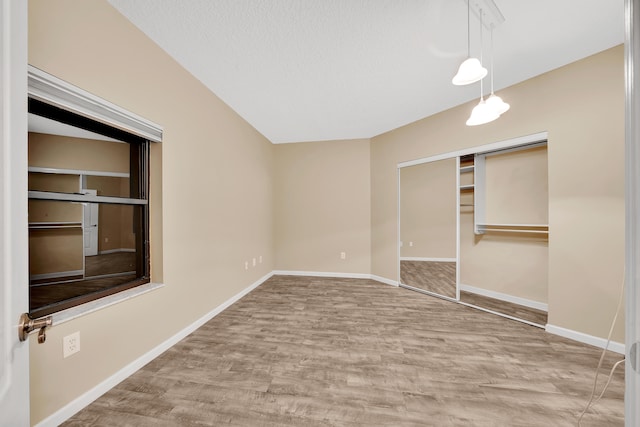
[
  {"x": 428, "y": 227},
  {"x": 79, "y": 248},
  {"x": 63, "y": 263}
]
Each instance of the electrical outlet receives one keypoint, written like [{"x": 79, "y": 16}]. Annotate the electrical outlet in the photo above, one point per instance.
[
  {"x": 106, "y": 240},
  {"x": 71, "y": 344},
  {"x": 260, "y": 259},
  {"x": 410, "y": 244},
  {"x": 343, "y": 255}
]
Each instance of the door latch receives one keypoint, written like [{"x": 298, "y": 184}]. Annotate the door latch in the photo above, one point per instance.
[{"x": 27, "y": 325}]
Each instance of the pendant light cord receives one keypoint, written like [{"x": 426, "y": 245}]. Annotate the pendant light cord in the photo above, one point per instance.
[
  {"x": 468, "y": 29},
  {"x": 481, "y": 59},
  {"x": 491, "y": 59}
]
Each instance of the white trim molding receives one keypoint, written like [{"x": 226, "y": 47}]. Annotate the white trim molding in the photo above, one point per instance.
[
  {"x": 82, "y": 401},
  {"x": 505, "y": 297},
  {"x": 54, "y": 91},
  {"x": 385, "y": 280},
  {"x": 321, "y": 274},
  {"x": 416, "y": 258},
  {"x": 500, "y": 145},
  {"x": 585, "y": 338},
  {"x": 336, "y": 275}
]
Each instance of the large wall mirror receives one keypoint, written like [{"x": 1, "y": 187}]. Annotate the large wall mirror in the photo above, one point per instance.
[
  {"x": 474, "y": 227},
  {"x": 78, "y": 248},
  {"x": 428, "y": 227}
]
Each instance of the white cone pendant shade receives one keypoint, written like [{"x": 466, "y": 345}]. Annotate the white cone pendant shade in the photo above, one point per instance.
[
  {"x": 470, "y": 71},
  {"x": 495, "y": 102},
  {"x": 481, "y": 114}
]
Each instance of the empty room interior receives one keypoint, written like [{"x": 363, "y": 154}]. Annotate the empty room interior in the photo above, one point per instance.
[{"x": 319, "y": 226}]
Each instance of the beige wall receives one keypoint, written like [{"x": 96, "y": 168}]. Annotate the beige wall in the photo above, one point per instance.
[
  {"x": 322, "y": 202},
  {"x": 211, "y": 194},
  {"x": 581, "y": 106},
  {"x": 428, "y": 210},
  {"x": 517, "y": 187}
]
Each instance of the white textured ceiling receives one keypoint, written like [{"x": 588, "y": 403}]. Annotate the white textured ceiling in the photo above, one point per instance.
[{"x": 311, "y": 70}]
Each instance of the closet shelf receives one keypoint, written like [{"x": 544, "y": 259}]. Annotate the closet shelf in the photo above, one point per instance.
[
  {"x": 53, "y": 225},
  {"x": 465, "y": 169},
  {"x": 513, "y": 228},
  {"x": 467, "y": 187}
]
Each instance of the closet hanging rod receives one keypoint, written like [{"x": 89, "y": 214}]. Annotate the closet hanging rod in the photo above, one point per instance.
[{"x": 513, "y": 230}]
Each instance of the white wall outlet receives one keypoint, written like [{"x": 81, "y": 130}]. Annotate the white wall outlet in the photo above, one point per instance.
[
  {"x": 260, "y": 259},
  {"x": 106, "y": 240},
  {"x": 343, "y": 255},
  {"x": 254, "y": 262},
  {"x": 410, "y": 244},
  {"x": 70, "y": 344},
  {"x": 246, "y": 265}
]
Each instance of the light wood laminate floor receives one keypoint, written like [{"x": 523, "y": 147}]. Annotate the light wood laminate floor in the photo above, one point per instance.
[{"x": 347, "y": 352}]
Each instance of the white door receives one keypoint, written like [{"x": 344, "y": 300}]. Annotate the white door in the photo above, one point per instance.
[
  {"x": 14, "y": 263},
  {"x": 90, "y": 225}
]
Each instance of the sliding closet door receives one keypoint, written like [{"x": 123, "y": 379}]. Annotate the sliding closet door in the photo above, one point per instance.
[{"x": 428, "y": 227}]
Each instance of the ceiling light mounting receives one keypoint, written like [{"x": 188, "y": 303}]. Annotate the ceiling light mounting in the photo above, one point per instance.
[{"x": 492, "y": 17}]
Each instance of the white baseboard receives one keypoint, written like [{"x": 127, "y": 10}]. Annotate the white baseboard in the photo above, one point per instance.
[
  {"x": 113, "y": 251},
  {"x": 56, "y": 275},
  {"x": 81, "y": 402},
  {"x": 385, "y": 280},
  {"x": 322, "y": 274},
  {"x": 505, "y": 297},
  {"x": 614, "y": 346},
  {"x": 336, "y": 275},
  {"x": 413, "y": 258}
]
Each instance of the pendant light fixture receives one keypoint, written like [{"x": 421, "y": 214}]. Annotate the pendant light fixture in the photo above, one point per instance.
[
  {"x": 494, "y": 100},
  {"x": 483, "y": 112},
  {"x": 471, "y": 70}
]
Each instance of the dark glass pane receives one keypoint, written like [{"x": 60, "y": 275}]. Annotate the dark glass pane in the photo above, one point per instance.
[
  {"x": 108, "y": 186},
  {"x": 89, "y": 250},
  {"x": 57, "y": 183}
]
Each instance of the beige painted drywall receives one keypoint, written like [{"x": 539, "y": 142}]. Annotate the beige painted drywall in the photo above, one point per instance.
[
  {"x": 211, "y": 195},
  {"x": 581, "y": 106},
  {"x": 517, "y": 187},
  {"x": 428, "y": 210},
  {"x": 322, "y": 204}
]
